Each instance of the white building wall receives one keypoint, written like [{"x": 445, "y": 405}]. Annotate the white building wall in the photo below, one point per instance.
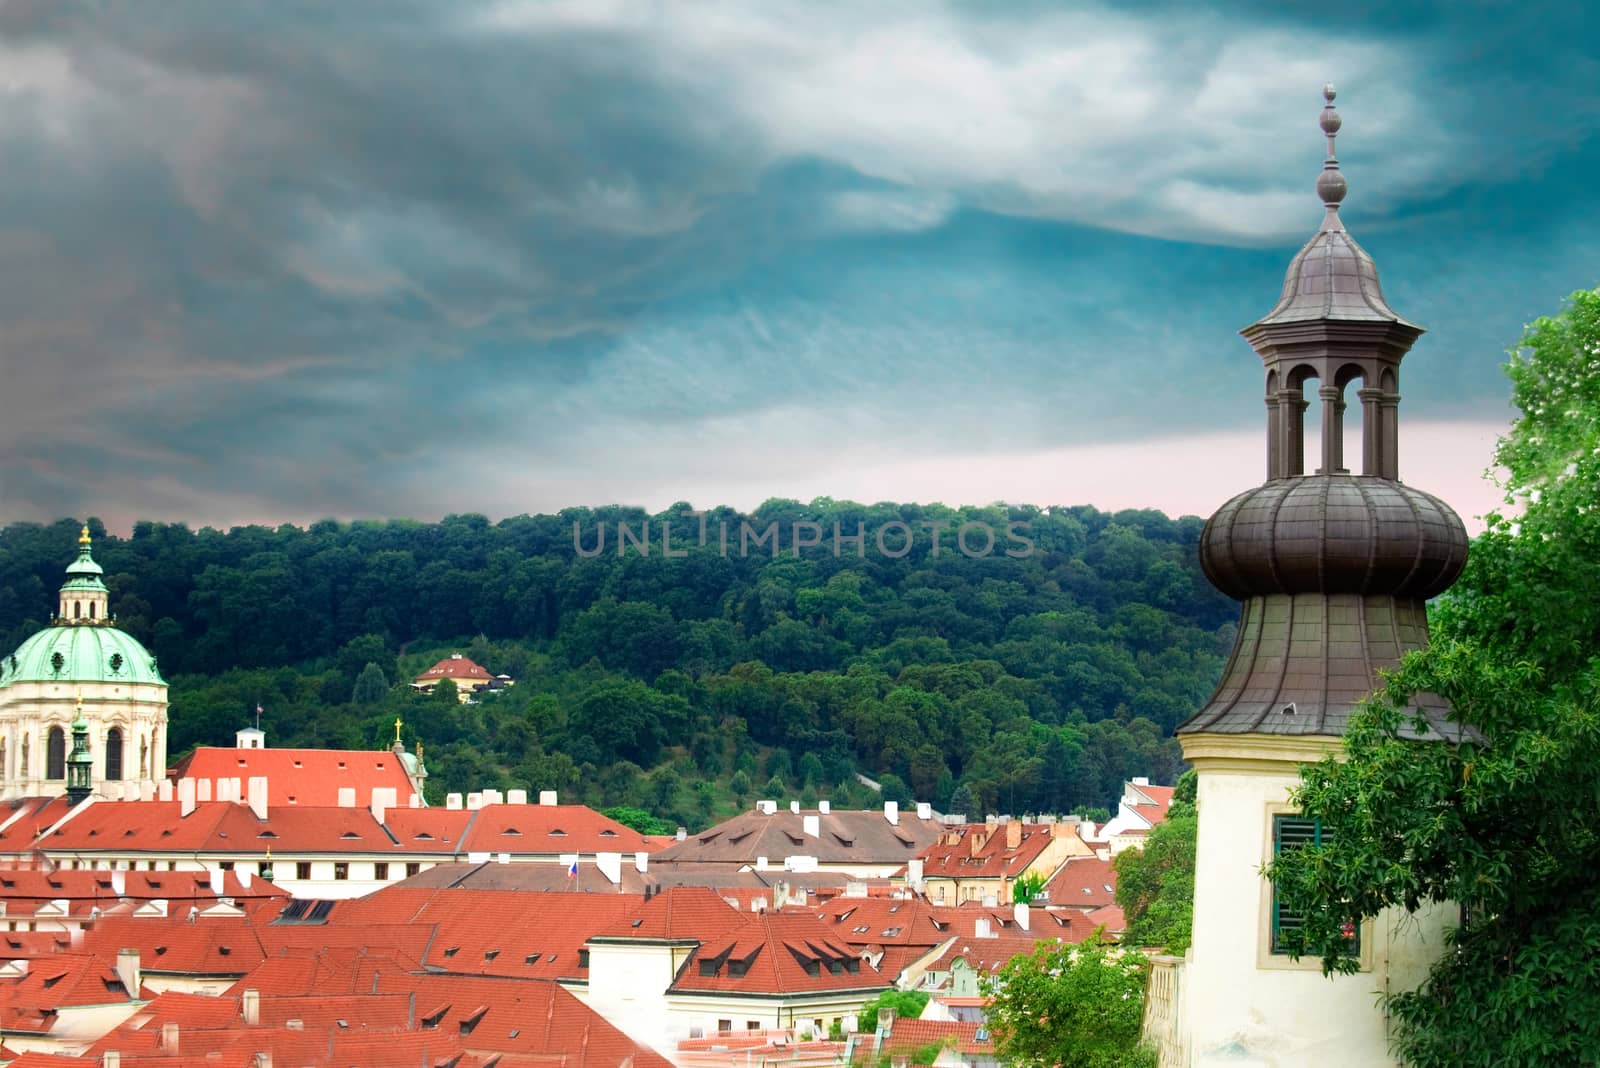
[{"x": 1242, "y": 1006}]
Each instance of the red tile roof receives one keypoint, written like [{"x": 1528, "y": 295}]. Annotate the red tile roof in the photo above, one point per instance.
[
  {"x": 1082, "y": 883},
  {"x": 457, "y": 668},
  {"x": 909, "y": 1036},
  {"x": 979, "y": 851},
  {"x": 551, "y": 829},
  {"x": 1111, "y": 918},
  {"x": 777, "y": 953},
  {"x": 302, "y": 776}
]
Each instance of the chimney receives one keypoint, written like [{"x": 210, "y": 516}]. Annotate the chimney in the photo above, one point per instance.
[
  {"x": 128, "y": 971},
  {"x": 164, "y": 790},
  {"x": 891, "y": 812},
  {"x": 169, "y": 1037},
  {"x": 186, "y": 796},
  {"x": 794, "y": 807},
  {"x": 824, "y": 808},
  {"x": 219, "y": 881},
  {"x": 641, "y": 862},
  {"x": 766, "y": 808},
  {"x": 886, "y": 1017},
  {"x": 683, "y": 832},
  {"x": 452, "y": 802},
  {"x": 1022, "y": 915},
  {"x": 812, "y": 825},
  {"x": 610, "y": 865},
  {"x": 111, "y": 1059},
  {"x": 244, "y": 877},
  {"x": 202, "y": 790},
  {"x": 258, "y": 796},
  {"x": 977, "y": 839},
  {"x": 493, "y": 797},
  {"x": 516, "y": 797},
  {"x": 914, "y": 870},
  {"x": 547, "y": 797},
  {"x": 1141, "y": 780},
  {"x": 119, "y": 883},
  {"x": 347, "y": 797},
  {"x": 474, "y": 800},
  {"x": 147, "y": 791},
  {"x": 1013, "y": 834},
  {"x": 1085, "y": 830},
  {"x": 250, "y": 1007},
  {"x": 262, "y": 1060},
  {"x": 981, "y": 928},
  {"x": 413, "y": 801},
  {"x": 383, "y": 799},
  {"x": 761, "y": 864},
  {"x": 924, "y": 811}
]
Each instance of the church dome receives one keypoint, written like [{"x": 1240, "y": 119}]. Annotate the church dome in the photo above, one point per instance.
[
  {"x": 84, "y": 653},
  {"x": 1332, "y": 534}
]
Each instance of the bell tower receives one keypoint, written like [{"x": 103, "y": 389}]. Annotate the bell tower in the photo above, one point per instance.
[{"x": 1334, "y": 569}]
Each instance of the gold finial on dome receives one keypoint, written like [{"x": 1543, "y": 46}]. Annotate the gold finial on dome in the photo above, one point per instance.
[{"x": 83, "y": 536}]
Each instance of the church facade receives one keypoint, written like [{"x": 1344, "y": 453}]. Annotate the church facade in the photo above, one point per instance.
[
  {"x": 1333, "y": 568},
  {"x": 82, "y": 669}
]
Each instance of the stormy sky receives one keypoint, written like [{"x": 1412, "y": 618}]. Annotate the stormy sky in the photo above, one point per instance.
[{"x": 276, "y": 262}]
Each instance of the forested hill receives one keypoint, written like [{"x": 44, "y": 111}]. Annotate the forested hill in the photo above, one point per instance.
[{"x": 1031, "y": 674}]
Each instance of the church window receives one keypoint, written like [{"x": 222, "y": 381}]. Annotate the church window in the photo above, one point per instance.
[
  {"x": 77, "y": 609},
  {"x": 24, "y": 773},
  {"x": 94, "y": 610},
  {"x": 1293, "y": 832},
  {"x": 55, "y": 754},
  {"x": 114, "y": 753}
]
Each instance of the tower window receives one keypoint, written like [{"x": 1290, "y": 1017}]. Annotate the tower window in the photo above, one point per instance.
[
  {"x": 55, "y": 754},
  {"x": 1293, "y": 832},
  {"x": 114, "y": 753}
]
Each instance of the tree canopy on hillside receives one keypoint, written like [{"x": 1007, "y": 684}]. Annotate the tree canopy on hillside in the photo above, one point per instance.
[{"x": 1031, "y": 682}]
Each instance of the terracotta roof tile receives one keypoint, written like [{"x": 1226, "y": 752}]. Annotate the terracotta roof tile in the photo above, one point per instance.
[{"x": 302, "y": 776}]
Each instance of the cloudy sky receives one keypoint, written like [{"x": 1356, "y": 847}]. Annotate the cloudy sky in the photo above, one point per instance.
[{"x": 284, "y": 261}]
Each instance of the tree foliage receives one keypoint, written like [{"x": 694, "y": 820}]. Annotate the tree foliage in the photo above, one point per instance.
[
  {"x": 1038, "y": 683},
  {"x": 907, "y": 1005},
  {"x": 1080, "y": 1005},
  {"x": 1155, "y": 885},
  {"x": 1506, "y": 819}
]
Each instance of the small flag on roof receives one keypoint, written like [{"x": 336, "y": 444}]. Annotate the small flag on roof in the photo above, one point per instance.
[{"x": 572, "y": 872}]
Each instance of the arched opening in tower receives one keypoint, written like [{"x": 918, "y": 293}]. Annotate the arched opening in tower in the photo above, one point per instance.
[
  {"x": 114, "y": 753},
  {"x": 55, "y": 754}
]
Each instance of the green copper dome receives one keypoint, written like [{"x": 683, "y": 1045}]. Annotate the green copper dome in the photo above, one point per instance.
[{"x": 80, "y": 654}]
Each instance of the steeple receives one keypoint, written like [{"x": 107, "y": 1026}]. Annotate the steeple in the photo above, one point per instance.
[
  {"x": 84, "y": 597},
  {"x": 80, "y": 764},
  {"x": 1333, "y": 567}
]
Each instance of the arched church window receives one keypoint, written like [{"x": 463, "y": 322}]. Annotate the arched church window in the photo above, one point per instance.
[
  {"x": 55, "y": 754},
  {"x": 94, "y": 610},
  {"x": 77, "y": 609},
  {"x": 114, "y": 753}
]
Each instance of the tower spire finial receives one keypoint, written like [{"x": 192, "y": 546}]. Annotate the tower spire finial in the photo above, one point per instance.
[
  {"x": 1331, "y": 184},
  {"x": 83, "y": 536}
]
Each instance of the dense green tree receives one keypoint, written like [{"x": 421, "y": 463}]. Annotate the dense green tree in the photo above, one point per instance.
[
  {"x": 1079, "y": 1005},
  {"x": 907, "y": 1005},
  {"x": 1503, "y": 819},
  {"x": 371, "y": 685},
  {"x": 1155, "y": 885}
]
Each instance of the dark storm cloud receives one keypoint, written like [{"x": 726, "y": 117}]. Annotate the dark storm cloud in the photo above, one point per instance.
[{"x": 287, "y": 260}]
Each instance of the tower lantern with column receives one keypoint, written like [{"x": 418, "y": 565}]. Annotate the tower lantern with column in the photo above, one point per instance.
[{"x": 1334, "y": 570}]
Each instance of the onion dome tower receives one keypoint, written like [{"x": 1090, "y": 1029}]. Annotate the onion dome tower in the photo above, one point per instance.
[
  {"x": 80, "y": 764},
  {"x": 1333, "y": 567}
]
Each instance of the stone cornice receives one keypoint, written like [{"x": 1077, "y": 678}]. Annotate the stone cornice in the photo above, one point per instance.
[{"x": 1243, "y": 753}]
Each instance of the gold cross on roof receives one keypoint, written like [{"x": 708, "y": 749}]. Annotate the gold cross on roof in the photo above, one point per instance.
[{"x": 397, "y": 728}]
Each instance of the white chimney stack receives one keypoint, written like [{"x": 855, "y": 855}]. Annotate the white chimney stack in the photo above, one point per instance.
[
  {"x": 1022, "y": 915},
  {"x": 186, "y": 796},
  {"x": 610, "y": 865},
  {"x": 164, "y": 790},
  {"x": 128, "y": 971},
  {"x": 503, "y": 858},
  {"x": 812, "y": 825},
  {"x": 794, "y": 807},
  {"x": 147, "y": 791},
  {"x": 767, "y": 808},
  {"x": 891, "y": 812},
  {"x": 914, "y": 870},
  {"x": 981, "y": 928},
  {"x": 169, "y": 1037},
  {"x": 258, "y": 796},
  {"x": 119, "y": 883},
  {"x": 250, "y": 1007},
  {"x": 924, "y": 811},
  {"x": 761, "y": 864},
  {"x": 202, "y": 790},
  {"x": 218, "y": 881},
  {"x": 347, "y": 797},
  {"x": 474, "y": 800},
  {"x": 824, "y": 808},
  {"x": 641, "y": 862},
  {"x": 383, "y": 799},
  {"x": 547, "y": 797},
  {"x": 493, "y": 797},
  {"x": 452, "y": 802},
  {"x": 516, "y": 797},
  {"x": 244, "y": 877}
]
